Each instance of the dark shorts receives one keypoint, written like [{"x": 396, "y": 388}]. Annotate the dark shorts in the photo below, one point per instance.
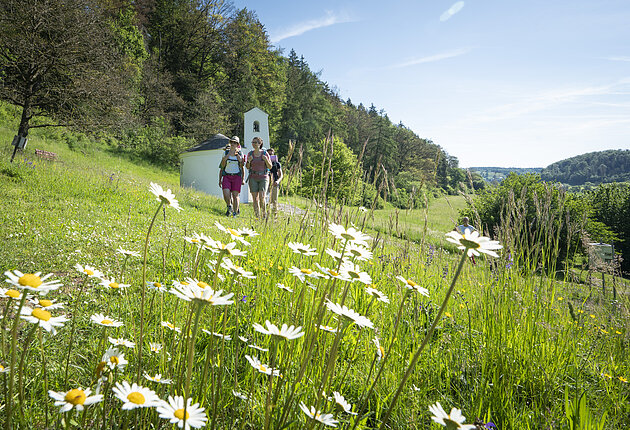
[{"x": 232, "y": 183}]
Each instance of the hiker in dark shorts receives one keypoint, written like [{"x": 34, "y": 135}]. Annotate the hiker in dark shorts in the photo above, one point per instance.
[
  {"x": 258, "y": 164},
  {"x": 275, "y": 176},
  {"x": 231, "y": 176}
]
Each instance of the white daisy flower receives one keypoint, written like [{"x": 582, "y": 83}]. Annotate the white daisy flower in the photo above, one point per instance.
[
  {"x": 284, "y": 333},
  {"x": 362, "y": 209},
  {"x": 179, "y": 412},
  {"x": 106, "y": 321},
  {"x": 302, "y": 249},
  {"x": 192, "y": 281},
  {"x": 284, "y": 287},
  {"x": 219, "y": 335},
  {"x": 171, "y": 326},
  {"x": 358, "y": 252},
  {"x": 243, "y": 339},
  {"x": 380, "y": 351},
  {"x": 335, "y": 255},
  {"x": 114, "y": 359},
  {"x": 32, "y": 281},
  {"x": 48, "y": 305},
  {"x": 258, "y": 348},
  {"x": 328, "y": 329},
  {"x": 247, "y": 232},
  {"x": 76, "y": 398},
  {"x": 4, "y": 369},
  {"x": 454, "y": 420},
  {"x": 354, "y": 273},
  {"x": 157, "y": 286},
  {"x": 157, "y": 378},
  {"x": 262, "y": 368},
  {"x": 121, "y": 342},
  {"x": 413, "y": 286},
  {"x": 473, "y": 244},
  {"x": 342, "y": 403},
  {"x": 112, "y": 285},
  {"x": 135, "y": 396},
  {"x": 351, "y": 235},
  {"x": 302, "y": 274},
  {"x": 376, "y": 293},
  {"x": 128, "y": 253},
  {"x": 239, "y": 395},
  {"x": 326, "y": 419},
  {"x": 331, "y": 273},
  {"x": 10, "y": 293},
  {"x": 349, "y": 314},
  {"x": 235, "y": 269},
  {"x": 90, "y": 271},
  {"x": 195, "y": 239},
  {"x": 206, "y": 295},
  {"x": 234, "y": 233},
  {"x": 217, "y": 246},
  {"x": 155, "y": 347},
  {"x": 167, "y": 197},
  {"x": 43, "y": 318}
]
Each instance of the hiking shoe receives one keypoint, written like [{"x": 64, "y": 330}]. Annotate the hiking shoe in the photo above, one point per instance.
[
  {"x": 228, "y": 212},
  {"x": 237, "y": 213}
]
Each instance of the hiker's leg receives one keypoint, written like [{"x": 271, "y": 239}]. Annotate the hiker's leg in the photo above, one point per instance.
[
  {"x": 226, "y": 196},
  {"x": 235, "y": 201}
]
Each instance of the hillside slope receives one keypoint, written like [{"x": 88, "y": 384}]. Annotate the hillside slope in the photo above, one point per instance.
[{"x": 595, "y": 167}]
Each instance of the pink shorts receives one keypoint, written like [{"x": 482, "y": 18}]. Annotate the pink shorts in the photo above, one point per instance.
[{"x": 232, "y": 183}]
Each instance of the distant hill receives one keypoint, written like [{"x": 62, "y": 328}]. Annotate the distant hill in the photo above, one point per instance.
[
  {"x": 595, "y": 167},
  {"x": 491, "y": 174}
]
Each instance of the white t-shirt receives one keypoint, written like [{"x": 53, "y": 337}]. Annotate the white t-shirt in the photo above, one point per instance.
[{"x": 231, "y": 165}]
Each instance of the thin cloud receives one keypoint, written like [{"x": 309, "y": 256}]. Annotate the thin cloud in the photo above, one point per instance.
[
  {"x": 452, "y": 11},
  {"x": 331, "y": 18},
  {"x": 618, "y": 58},
  {"x": 432, "y": 58}
]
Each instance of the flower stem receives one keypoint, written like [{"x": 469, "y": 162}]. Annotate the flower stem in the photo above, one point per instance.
[
  {"x": 14, "y": 335},
  {"x": 416, "y": 356}
]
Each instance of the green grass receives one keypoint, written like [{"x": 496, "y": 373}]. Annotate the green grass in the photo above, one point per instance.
[{"x": 508, "y": 350}]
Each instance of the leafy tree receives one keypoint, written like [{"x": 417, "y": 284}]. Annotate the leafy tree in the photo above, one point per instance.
[{"x": 60, "y": 58}]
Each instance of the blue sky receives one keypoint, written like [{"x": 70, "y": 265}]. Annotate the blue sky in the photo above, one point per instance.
[{"x": 496, "y": 83}]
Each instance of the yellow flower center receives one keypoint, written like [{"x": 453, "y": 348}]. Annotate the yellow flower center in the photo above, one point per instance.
[
  {"x": 41, "y": 314},
  {"x": 169, "y": 325},
  {"x": 184, "y": 283},
  {"x": 202, "y": 285},
  {"x": 45, "y": 303},
  {"x": 1, "y": 367},
  {"x": 88, "y": 272},
  {"x": 107, "y": 322},
  {"x": 195, "y": 240},
  {"x": 114, "y": 285},
  {"x": 411, "y": 283},
  {"x": 233, "y": 232},
  {"x": 157, "y": 285},
  {"x": 332, "y": 272},
  {"x": 136, "y": 398},
  {"x": 30, "y": 280},
  {"x": 13, "y": 293},
  {"x": 262, "y": 368},
  {"x": 307, "y": 271},
  {"x": 180, "y": 414},
  {"x": 76, "y": 397},
  {"x": 114, "y": 360}
]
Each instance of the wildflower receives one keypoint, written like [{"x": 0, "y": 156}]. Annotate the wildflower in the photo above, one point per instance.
[
  {"x": 112, "y": 285},
  {"x": 76, "y": 398},
  {"x": 196, "y": 239},
  {"x": 413, "y": 286},
  {"x": 473, "y": 244},
  {"x": 202, "y": 295},
  {"x": 380, "y": 351},
  {"x": 121, "y": 342},
  {"x": 156, "y": 286},
  {"x": 43, "y": 318},
  {"x": 234, "y": 233},
  {"x": 157, "y": 378},
  {"x": 326, "y": 419},
  {"x": 217, "y": 246},
  {"x": 258, "y": 348},
  {"x": 354, "y": 273},
  {"x": 330, "y": 273},
  {"x": 362, "y": 209},
  {"x": 284, "y": 333},
  {"x": 302, "y": 249},
  {"x": 32, "y": 282},
  {"x": 606, "y": 375},
  {"x": 171, "y": 326},
  {"x": 335, "y": 255},
  {"x": 454, "y": 420},
  {"x": 358, "y": 252},
  {"x": 90, "y": 271},
  {"x": 247, "y": 232},
  {"x": 4, "y": 369},
  {"x": 349, "y": 314},
  {"x": 114, "y": 359},
  {"x": 235, "y": 269},
  {"x": 342, "y": 403},
  {"x": 167, "y": 197},
  {"x": 243, "y": 339},
  {"x": 155, "y": 347},
  {"x": 262, "y": 368},
  {"x": 328, "y": 329},
  {"x": 376, "y": 293},
  {"x": 302, "y": 274},
  {"x": 219, "y": 335},
  {"x": 135, "y": 396},
  {"x": 10, "y": 293},
  {"x": 106, "y": 321},
  {"x": 48, "y": 305},
  {"x": 128, "y": 253},
  {"x": 622, "y": 379},
  {"x": 351, "y": 235},
  {"x": 239, "y": 395},
  {"x": 177, "y": 412},
  {"x": 283, "y": 287}
]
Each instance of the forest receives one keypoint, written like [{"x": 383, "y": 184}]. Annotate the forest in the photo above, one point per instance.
[
  {"x": 152, "y": 78},
  {"x": 594, "y": 167}
]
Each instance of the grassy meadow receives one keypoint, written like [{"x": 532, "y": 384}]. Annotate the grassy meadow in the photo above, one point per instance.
[{"x": 519, "y": 351}]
